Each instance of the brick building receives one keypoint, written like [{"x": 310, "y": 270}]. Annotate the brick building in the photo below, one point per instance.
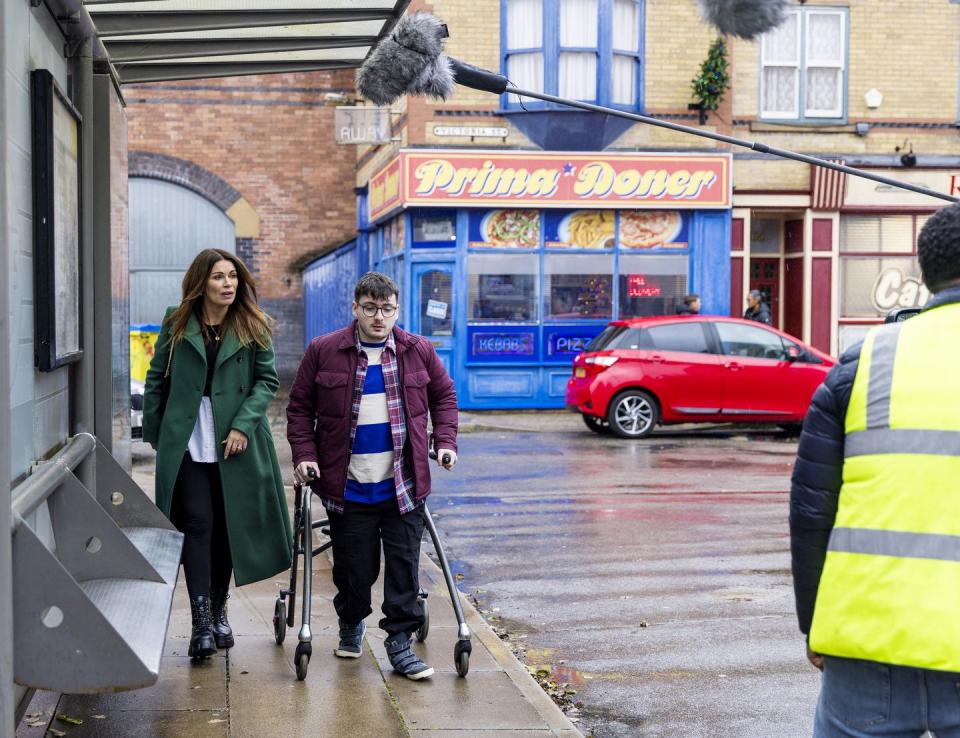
[
  {"x": 870, "y": 83},
  {"x": 261, "y": 150}
]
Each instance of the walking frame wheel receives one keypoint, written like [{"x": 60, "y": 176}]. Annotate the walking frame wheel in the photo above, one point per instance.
[
  {"x": 424, "y": 629},
  {"x": 301, "y": 660},
  {"x": 280, "y": 621},
  {"x": 461, "y": 656}
]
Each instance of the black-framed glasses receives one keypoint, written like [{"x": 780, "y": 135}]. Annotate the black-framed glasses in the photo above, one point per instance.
[{"x": 370, "y": 310}]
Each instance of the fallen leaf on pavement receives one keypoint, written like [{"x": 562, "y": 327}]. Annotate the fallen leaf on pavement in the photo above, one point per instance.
[
  {"x": 56, "y": 733},
  {"x": 69, "y": 720}
]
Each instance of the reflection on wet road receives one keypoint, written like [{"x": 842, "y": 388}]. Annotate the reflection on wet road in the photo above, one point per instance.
[{"x": 654, "y": 575}]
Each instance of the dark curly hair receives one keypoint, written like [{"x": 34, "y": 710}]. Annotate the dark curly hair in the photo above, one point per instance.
[
  {"x": 377, "y": 285},
  {"x": 938, "y": 248}
]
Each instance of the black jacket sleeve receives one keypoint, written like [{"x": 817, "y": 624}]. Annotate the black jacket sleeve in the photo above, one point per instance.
[{"x": 817, "y": 477}]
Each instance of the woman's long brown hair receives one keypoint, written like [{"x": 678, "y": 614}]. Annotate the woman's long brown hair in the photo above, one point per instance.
[{"x": 244, "y": 316}]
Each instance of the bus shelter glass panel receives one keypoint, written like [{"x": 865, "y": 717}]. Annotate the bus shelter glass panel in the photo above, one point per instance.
[
  {"x": 652, "y": 284},
  {"x": 578, "y": 286},
  {"x": 502, "y": 288}
]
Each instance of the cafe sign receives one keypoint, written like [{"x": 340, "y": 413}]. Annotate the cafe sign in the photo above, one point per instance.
[
  {"x": 893, "y": 289},
  {"x": 554, "y": 180}
]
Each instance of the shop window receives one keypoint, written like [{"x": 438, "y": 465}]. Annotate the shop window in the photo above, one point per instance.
[
  {"x": 507, "y": 228},
  {"x": 651, "y": 285},
  {"x": 803, "y": 66},
  {"x": 502, "y": 288},
  {"x": 750, "y": 342},
  {"x": 878, "y": 271},
  {"x": 878, "y": 233},
  {"x": 765, "y": 236},
  {"x": 685, "y": 337},
  {"x": 870, "y": 287},
  {"x": 582, "y": 49},
  {"x": 434, "y": 230},
  {"x": 578, "y": 286}
]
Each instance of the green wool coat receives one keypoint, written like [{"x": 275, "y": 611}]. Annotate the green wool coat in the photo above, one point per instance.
[{"x": 244, "y": 382}]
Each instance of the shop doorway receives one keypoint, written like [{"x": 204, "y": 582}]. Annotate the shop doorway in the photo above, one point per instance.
[
  {"x": 433, "y": 308},
  {"x": 765, "y": 276}
]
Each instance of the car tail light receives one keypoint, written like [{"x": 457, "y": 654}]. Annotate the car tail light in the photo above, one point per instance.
[
  {"x": 593, "y": 365},
  {"x": 604, "y": 361}
]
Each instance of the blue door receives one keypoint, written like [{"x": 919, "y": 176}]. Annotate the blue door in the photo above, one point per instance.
[{"x": 433, "y": 307}]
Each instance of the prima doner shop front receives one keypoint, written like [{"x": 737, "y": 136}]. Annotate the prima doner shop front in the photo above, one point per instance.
[{"x": 510, "y": 262}]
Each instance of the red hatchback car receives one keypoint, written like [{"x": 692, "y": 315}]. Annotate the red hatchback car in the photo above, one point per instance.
[{"x": 692, "y": 369}]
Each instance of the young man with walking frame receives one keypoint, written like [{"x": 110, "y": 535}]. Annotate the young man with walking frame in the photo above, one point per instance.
[{"x": 357, "y": 419}]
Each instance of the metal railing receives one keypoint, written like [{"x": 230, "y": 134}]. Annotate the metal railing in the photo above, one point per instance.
[{"x": 35, "y": 489}]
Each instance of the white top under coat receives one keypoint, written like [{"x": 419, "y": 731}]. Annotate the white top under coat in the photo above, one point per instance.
[{"x": 203, "y": 440}]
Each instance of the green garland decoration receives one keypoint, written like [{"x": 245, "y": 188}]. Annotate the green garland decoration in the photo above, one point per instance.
[{"x": 713, "y": 80}]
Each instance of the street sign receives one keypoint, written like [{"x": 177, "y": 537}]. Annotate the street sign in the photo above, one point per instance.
[
  {"x": 472, "y": 131},
  {"x": 362, "y": 125}
]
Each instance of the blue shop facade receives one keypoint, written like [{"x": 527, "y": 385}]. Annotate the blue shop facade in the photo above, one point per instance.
[{"x": 510, "y": 262}]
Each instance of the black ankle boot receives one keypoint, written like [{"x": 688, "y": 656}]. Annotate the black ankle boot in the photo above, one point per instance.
[
  {"x": 201, "y": 639},
  {"x": 222, "y": 632}
]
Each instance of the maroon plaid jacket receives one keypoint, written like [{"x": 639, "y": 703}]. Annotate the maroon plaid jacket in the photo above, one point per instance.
[{"x": 319, "y": 414}]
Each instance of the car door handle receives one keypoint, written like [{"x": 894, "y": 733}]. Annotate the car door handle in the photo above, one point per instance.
[
  {"x": 656, "y": 359},
  {"x": 732, "y": 366}
]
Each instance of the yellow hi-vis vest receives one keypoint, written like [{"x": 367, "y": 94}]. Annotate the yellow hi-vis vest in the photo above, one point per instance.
[{"x": 890, "y": 589}]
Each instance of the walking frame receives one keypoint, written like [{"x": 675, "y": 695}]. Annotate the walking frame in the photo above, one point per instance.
[{"x": 284, "y": 610}]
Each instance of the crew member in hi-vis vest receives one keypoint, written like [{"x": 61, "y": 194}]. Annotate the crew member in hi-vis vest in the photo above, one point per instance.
[{"x": 875, "y": 518}]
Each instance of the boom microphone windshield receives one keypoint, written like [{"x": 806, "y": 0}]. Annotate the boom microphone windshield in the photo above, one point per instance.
[
  {"x": 410, "y": 61},
  {"x": 744, "y": 18}
]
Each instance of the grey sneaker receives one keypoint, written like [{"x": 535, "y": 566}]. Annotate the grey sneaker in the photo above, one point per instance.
[
  {"x": 351, "y": 640},
  {"x": 404, "y": 660}
]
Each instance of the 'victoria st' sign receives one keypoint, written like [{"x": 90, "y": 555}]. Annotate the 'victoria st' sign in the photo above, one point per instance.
[{"x": 551, "y": 180}]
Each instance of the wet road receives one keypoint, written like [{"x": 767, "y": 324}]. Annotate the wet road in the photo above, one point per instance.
[{"x": 653, "y": 576}]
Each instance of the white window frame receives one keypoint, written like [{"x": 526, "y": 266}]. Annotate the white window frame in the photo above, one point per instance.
[
  {"x": 796, "y": 66},
  {"x": 823, "y": 64},
  {"x": 801, "y": 65}
]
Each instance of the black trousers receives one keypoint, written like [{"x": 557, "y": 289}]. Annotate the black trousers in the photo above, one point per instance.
[
  {"x": 198, "y": 513},
  {"x": 357, "y": 535}
]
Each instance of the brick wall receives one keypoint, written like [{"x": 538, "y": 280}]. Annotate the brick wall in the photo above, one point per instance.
[{"x": 270, "y": 139}]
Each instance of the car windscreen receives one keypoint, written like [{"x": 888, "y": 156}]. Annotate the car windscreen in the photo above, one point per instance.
[{"x": 605, "y": 337}]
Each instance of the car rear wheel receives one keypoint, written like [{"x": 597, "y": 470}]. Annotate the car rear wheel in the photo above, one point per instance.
[
  {"x": 633, "y": 414},
  {"x": 597, "y": 425}
]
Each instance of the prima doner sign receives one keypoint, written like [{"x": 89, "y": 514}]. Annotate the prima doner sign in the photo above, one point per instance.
[
  {"x": 362, "y": 125},
  {"x": 558, "y": 180}
]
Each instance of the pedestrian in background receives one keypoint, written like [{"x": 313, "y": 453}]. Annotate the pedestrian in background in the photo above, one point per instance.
[
  {"x": 875, "y": 518},
  {"x": 204, "y": 411},
  {"x": 690, "y": 305},
  {"x": 757, "y": 309},
  {"x": 357, "y": 419}
]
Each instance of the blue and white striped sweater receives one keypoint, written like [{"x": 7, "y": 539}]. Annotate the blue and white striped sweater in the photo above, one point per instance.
[{"x": 370, "y": 474}]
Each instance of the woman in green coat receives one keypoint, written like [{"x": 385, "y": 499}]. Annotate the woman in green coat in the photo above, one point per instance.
[{"x": 204, "y": 411}]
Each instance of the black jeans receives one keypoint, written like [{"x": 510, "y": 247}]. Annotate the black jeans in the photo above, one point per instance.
[
  {"x": 357, "y": 534},
  {"x": 198, "y": 513}
]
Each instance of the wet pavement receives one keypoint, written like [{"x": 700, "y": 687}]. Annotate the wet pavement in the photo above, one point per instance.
[{"x": 653, "y": 576}]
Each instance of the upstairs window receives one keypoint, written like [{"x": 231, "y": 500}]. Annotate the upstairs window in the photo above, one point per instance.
[
  {"x": 803, "y": 67},
  {"x": 586, "y": 50}
]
